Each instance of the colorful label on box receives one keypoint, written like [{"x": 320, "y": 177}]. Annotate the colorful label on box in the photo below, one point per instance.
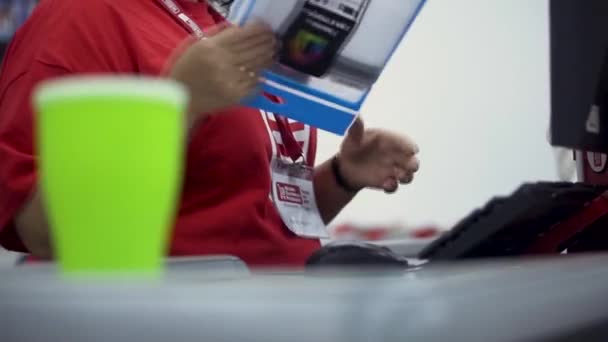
[{"x": 313, "y": 40}]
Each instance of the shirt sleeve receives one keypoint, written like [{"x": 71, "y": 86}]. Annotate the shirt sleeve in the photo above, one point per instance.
[{"x": 17, "y": 150}]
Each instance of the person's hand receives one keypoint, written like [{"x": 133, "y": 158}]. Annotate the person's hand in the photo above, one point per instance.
[
  {"x": 375, "y": 158},
  {"x": 223, "y": 69}
]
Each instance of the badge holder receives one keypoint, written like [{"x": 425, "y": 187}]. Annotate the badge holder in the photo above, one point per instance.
[
  {"x": 294, "y": 197},
  {"x": 293, "y": 190},
  {"x": 333, "y": 51}
]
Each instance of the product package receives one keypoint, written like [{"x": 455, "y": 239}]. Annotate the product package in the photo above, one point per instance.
[{"x": 332, "y": 53}]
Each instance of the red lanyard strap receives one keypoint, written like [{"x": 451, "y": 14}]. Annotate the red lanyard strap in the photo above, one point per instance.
[
  {"x": 178, "y": 14},
  {"x": 292, "y": 146}
]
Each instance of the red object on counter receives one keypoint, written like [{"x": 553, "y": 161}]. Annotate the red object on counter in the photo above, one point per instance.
[
  {"x": 378, "y": 233},
  {"x": 592, "y": 169},
  {"x": 425, "y": 233},
  {"x": 344, "y": 229},
  {"x": 551, "y": 242}
]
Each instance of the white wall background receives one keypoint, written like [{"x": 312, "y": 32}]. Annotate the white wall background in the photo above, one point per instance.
[{"x": 470, "y": 85}]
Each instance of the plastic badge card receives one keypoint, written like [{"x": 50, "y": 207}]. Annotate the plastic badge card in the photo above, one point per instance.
[{"x": 332, "y": 53}]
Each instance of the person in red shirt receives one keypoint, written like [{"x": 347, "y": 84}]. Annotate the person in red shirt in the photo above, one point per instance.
[{"x": 225, "y": 207}]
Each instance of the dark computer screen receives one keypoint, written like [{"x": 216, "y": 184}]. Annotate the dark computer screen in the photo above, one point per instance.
[{"x": 579, "y": 74}]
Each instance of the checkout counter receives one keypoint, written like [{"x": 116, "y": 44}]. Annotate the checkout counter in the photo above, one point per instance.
[
  {"x": 478, "y": 282},
  {"x": 219, "y": 299}
]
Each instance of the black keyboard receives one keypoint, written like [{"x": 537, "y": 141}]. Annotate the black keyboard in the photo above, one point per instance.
[{"x": 507, "y": 226}]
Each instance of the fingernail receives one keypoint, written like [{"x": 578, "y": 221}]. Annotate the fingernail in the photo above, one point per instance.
[
  {"x": 389, "y": 184},
  {"x": 408, "y": 179},
  {"x": 392, "y": 188}
]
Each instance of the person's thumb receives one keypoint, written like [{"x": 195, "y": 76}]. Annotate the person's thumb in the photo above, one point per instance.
[{"x": 356, "y": 131}]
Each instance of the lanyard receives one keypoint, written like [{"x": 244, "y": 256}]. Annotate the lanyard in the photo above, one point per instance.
[
  {"x": 178, "y": 14},
  {"x": 292, "y": 146}
]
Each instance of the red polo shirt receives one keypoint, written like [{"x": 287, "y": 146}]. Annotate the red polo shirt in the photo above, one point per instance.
[{"x": 225, "y": 206}]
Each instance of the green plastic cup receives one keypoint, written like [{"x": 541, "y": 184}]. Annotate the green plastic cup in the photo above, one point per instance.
[{"x": 110, "y": 163}]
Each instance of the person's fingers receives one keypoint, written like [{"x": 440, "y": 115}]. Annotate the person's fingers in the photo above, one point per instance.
[
  {"x": 405, "y": 175},
  {"x": 390, "y": 186},
  {"x": 237, "y": 35},
  {"x": 256, "y": 60},
  {"x": 406, "y": 178},
  {"x": 404, "y": 145},
  {"x": 262, "y": 63},
  {"x": 232, "y": 82},
  {"x": 243, "y": 76},
  {"x": 247, "y": 83},
  {"x": 407, "y": 164},
  {"x": 259, "y": 55},
  {"x": 247, "y": 90},
  {"x": 247, "y": 74},
  {"x": 414, "y": 164},
  {"x": 403, "y": 164},
  {"x": 384, "y": 178},
  {"x": 256, "y": 28},
  {"x": 268, "y": 41}
]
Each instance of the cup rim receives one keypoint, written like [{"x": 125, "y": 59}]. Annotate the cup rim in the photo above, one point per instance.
[{"x": 157, "y": 88}]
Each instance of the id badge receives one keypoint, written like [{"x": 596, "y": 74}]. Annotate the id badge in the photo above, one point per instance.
[{"x": 294, "y": 196}]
